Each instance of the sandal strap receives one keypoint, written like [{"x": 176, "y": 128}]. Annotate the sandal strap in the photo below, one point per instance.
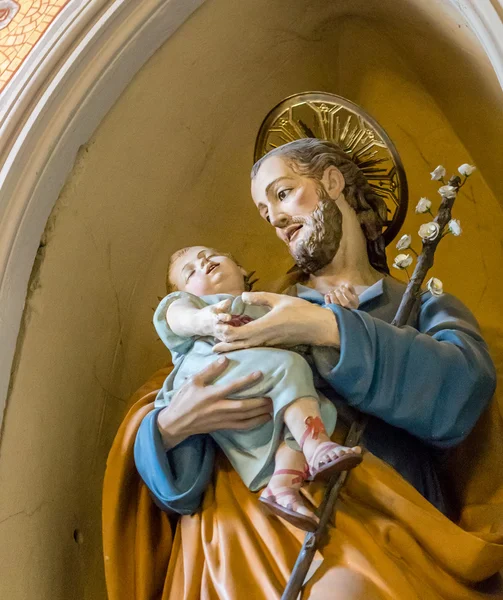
[
  {"x": 319, "y": 450},
  {"x": 314, "y": 426},
  {"x": 285, "y": 493},
  {"x": 288, "y": 492},
  {"x": 301, "y": 475}
]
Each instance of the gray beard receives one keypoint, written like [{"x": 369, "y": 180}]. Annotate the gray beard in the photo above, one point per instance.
[{"x": 318, "y": 248}]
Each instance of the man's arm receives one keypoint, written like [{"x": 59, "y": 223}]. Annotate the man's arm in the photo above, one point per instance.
[
  {"x": 434, "y": 383},
  {"x": 176, "y": 478},
  {"x": 173, "y": 455}
]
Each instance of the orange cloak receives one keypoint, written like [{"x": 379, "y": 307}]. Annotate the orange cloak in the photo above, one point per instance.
[{"x": 384, "y": 531}]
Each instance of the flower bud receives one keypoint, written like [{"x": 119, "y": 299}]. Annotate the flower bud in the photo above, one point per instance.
[
  {"x": 435, "y": 287},
  {"x": 448, "y": 191},
  {"x": 402, "y": 261},
  {"x": 404, "y": 242},
  {"x": 466, "y": 169},
  {"x": 423, "y": 206},
  {"x": 455, "y": 227},
  {"x": 429, "y": 231},
  {"x": 438, "y": 173}
]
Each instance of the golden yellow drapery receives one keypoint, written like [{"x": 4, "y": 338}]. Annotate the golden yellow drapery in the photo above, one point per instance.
[{"x": 385, "y": 530}]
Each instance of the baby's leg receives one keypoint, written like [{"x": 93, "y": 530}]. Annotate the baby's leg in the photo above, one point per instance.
[
  {"x": 303, "y": 419},
  {"x": 283, "y": 489}
]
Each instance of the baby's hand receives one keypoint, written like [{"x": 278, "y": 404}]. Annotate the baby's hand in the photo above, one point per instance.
[
  {"x": 212, "y": 319},
  {"x": 344, "y": 295}
]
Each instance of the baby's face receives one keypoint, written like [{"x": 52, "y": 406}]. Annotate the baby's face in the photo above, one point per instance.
[{"x": 203, "y": 271}]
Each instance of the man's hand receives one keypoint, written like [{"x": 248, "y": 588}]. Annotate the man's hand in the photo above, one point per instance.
[
  {"x": 343, "y": 295},
  {"x": 202, "y": 407},
  {"x": 290, "y": 322}
]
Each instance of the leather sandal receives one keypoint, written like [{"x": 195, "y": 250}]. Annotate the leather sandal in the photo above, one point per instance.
[
  {"x": 346, "y": 462},
  {"x": 286, "y": 512}
]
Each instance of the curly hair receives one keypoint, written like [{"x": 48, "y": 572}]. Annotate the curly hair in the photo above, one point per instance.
[{"x": 310, "y": 157}]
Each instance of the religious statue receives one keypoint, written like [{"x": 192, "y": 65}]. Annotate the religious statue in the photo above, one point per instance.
[{"x": 423, "y": 388}]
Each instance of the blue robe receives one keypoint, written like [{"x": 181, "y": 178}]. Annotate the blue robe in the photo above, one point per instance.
[{"x": 424, "y": 385}]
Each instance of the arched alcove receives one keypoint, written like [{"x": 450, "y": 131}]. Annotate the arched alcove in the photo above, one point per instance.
[{"x": 167, "y": 166}]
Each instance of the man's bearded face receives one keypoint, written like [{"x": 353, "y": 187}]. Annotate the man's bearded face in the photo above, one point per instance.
[
  {"x": 306, "y": 218},
  {"x": 320, "y": 237}
]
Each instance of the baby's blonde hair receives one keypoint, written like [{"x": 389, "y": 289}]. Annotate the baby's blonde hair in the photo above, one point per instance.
[{"x": 171, "y": 287}]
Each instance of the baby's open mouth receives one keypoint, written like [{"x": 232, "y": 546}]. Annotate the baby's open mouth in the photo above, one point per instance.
[{"x": 211, "y": 267}]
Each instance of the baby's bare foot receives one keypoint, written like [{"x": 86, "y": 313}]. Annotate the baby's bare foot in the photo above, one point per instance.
[
  {"x": 322, "y": 450},
  {"x": 326, "y": 458},
  {"x": 334, "y": 452}
]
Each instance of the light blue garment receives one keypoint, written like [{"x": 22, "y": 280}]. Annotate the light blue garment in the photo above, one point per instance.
[
  {"x": 425, "y": 384},
  {"x": 286, "y": 377}
]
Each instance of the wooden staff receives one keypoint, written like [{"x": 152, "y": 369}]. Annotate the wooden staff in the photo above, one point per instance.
[{"x": 315, "y": 539}]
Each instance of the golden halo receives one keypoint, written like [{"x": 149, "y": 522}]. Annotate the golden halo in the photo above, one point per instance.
[{"x": 330, "y": 117}]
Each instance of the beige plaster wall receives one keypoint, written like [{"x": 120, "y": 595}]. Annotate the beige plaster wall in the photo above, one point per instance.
[{"x": 169, "y": 167}]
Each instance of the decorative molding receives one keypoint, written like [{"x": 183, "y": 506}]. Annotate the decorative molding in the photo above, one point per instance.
[
  {"x": 485, "y": 20},
  {"x": 49, "y": 109}
]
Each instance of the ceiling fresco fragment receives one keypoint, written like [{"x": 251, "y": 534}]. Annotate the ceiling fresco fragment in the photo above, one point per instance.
[{"x": 22, "y": 24}]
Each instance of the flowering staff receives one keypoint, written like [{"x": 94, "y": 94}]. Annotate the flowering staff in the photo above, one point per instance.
[{"x": 431, "y": 234}]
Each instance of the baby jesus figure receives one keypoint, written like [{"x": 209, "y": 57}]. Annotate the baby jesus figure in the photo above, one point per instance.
[{"x": 295, "y": 445}]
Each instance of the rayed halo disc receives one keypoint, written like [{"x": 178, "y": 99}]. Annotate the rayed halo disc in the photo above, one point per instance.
[{"x": 330, "y": 117}]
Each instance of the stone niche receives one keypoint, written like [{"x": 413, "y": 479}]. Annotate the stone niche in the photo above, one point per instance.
[{"x": 169, "y": 166}]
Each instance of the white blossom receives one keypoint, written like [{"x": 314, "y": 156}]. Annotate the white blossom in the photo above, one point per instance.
[
  {"x": 402, "y": 261},
  {"x": 435, "y": 286},
  {"x": 466, "y": 169},
  {"x": 423, "y": 206},
  {"x": 438, "y": 173},
  {"x": 429, "y": 231},
  {"x": 448, "y": 191},
  {"x": 455, "y": 227},
  {"x": 404, "y": 242}
]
